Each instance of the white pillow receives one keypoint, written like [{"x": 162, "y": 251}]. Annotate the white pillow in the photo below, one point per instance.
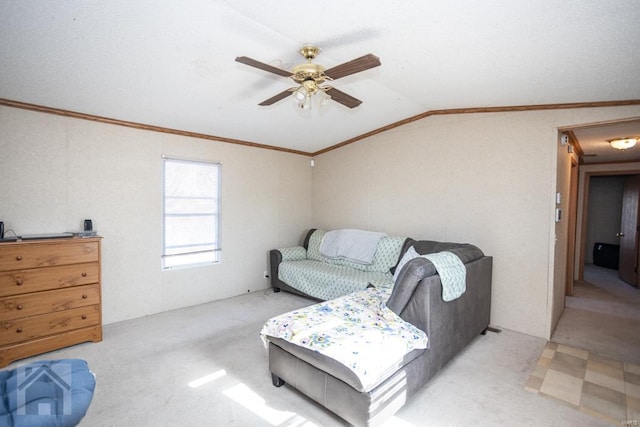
[{"x": 408, "y": 256}]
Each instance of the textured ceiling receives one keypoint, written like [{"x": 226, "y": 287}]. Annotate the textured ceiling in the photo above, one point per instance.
[{"x": 171, "y": 63}]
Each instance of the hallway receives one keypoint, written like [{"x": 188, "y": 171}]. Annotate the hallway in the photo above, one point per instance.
[{"x": 603, "y": 316}]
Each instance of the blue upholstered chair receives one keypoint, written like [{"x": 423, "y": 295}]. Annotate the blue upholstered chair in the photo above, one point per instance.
[{"x": 46, "y": 393}]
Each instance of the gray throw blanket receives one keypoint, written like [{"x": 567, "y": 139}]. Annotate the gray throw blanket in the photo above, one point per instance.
[{"x": 358, "y": 246}]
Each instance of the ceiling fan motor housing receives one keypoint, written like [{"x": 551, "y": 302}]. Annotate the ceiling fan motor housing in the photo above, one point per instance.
[{"x": 308, "y": 71}]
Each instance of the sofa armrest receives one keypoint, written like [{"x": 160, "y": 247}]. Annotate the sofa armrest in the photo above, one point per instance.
[
  {"x": 420, "y": 268},
  {"x": 408, "y": 280},
  {"x": 276, "y": 256},
  {"x": 451, "y": 325},
  {"x": 422, "y": 303},
  {"x": 295, "y": 253}
]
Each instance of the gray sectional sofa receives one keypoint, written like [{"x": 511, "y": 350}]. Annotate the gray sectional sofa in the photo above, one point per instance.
[{"x": 417, "y": 298}]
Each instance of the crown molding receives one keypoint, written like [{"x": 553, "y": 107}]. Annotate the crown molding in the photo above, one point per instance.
[
  {"x": 516, "y": 108},
  {"x": 142, "y": 126}
]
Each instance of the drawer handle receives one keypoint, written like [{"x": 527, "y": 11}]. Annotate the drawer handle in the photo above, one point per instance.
[
  {"x": 19, "y": 330},
  {"x": 19, "y": 307},
  {"x": 19, "y": 258},
  {"x": 84, "y": 274},
  {"x": 19, "y": 281},
  {"x": 84, "y": 316},
  {"x": 84, "y": 296}
]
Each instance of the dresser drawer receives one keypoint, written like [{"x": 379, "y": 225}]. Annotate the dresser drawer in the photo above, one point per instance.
[
  {"x": 42, "y": 279},
  {"x": 48, "y": 301},
  {"x": 14, "y": 331},
  {"x": 21, "y": 255}
]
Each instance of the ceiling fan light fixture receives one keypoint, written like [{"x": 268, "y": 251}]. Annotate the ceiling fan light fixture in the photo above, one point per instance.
[
  {"x": 623, "y": 143},
  {"x": 324, "y": 98},
  {"x": 306, "y": 105},
  {"x": 302, "y": 98},
  {"x": 300, "y": 95}
]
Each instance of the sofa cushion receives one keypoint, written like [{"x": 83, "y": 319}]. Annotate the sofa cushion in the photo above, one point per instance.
[
  {"x": 313, "y": 251},
  {"x": 356, "y": 330},
  {"x": 327, "y": 281},
  {"x": 386, "y": 256}
]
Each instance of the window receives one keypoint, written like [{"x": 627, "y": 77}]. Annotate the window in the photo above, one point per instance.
[{"x": 191, "y": 214}]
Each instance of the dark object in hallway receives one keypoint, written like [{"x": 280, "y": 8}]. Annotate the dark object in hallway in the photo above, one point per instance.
[{"x": 606, "y": 255}]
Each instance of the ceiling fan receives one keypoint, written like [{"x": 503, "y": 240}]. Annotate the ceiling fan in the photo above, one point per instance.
[{"x": 310, "y": 78}]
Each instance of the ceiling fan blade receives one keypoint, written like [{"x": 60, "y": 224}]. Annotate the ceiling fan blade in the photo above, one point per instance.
[
  {"x": 353, "y": 66},
  {"x": 261, "y": 65},
  {"x": 278, "y": 97},
  {"x": 343, "y": 98}
]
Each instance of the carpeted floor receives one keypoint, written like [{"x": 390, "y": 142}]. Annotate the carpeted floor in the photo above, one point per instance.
[
  {"x": 206, "y": 366},
  {"x": 603, "y": 316}
]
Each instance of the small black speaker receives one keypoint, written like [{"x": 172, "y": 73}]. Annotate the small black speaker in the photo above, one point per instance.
[
  {"x": 88, "y": 225},
  {"x": 1, "y": 230}
]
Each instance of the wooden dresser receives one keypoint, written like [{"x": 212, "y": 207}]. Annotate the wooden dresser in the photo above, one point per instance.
[{"x": 50, "y": 295}]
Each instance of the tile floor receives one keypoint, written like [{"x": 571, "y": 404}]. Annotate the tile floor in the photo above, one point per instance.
[{"x": 604, "y": 388}]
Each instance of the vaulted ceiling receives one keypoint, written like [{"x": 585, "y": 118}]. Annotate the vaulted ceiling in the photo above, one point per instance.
[{"x": 171, "y": 64}]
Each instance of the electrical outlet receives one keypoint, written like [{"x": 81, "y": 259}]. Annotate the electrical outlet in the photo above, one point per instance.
[{"x": 265, "y": 274}]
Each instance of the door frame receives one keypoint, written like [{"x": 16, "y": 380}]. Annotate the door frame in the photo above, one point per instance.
[
  {"x": 585, "y": 172},
  {"x": 572, "y": 218}
]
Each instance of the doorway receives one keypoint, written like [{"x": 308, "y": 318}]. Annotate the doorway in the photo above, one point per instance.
[
  {"x": 603, "y": 219},
  {"x": 602, "y": 312},
  {"x": 581, "y": 312},
  {"x": 609, "y": 234}
]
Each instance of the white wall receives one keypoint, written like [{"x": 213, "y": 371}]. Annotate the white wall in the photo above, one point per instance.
[
  {"x": 487, "y": 179},
  {"x": 56, "y": 171}
]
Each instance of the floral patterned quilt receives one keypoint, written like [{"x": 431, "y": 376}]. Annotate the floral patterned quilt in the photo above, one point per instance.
[{"x": 357, "y": 330}]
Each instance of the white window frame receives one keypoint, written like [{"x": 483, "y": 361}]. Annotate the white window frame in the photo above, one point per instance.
[{"x": 172, "y": 256}]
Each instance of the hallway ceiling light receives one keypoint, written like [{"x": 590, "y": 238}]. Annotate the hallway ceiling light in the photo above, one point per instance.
[{"x": 623, "y": 143}]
